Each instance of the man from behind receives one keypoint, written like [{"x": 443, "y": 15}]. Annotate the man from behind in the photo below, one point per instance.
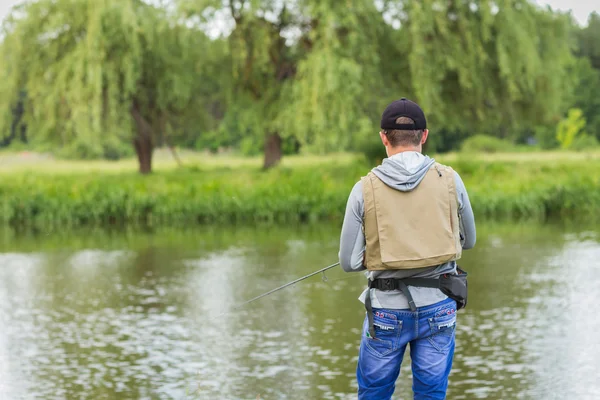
[{"x": 406, "y": 224}]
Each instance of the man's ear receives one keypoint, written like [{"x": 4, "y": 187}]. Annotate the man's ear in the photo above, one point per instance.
[
  {"x": 425, "y": 136},
  {"x": 384, "y": 139}
]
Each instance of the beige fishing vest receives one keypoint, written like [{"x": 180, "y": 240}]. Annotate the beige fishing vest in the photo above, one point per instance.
[{"x": 405, "y": 230}]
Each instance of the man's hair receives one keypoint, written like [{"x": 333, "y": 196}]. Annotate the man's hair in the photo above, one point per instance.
[{"x": 403, "y": 137}]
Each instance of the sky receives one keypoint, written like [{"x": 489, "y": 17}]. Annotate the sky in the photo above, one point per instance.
[{"x": 581, "y": 8}]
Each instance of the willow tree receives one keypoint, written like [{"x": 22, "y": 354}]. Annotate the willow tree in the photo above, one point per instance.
[
  {"x": 98, "y": 72},
  {"x": 481, "y": 65},
  {"x": 337, "y": 94},
  {"x": 589, "y": 40},
  {"x": 297, "y": 68},
  {"x": 587, "y": 73}
]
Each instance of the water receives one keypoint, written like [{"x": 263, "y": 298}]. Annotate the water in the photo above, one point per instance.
[{"x": 126, "y": 315}]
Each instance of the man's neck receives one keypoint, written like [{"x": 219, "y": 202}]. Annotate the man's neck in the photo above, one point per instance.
[{"x": 397, "y": 150}]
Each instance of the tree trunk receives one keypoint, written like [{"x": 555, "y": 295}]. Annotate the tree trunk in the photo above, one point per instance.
[
  {"x": 7, "y": 139},
  {"x": 273, "y": 151},
  {"x": 24, "y": 133},
  {"x": 143, "y": 149},
  {"x": 175, "y": 156},
  {"x": 143, "y": 141}
]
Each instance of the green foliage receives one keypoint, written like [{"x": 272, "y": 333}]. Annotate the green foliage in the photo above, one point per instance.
[
  {"x": 371, "y": 148},
  {"x": 589, "y": 40},
  {"x": 545, "y": 137},
  {"x": 532, "y": 189},
  {"x": 112, "y": 149},
  {"x": 214, "y": 140},
  {"x": 503, "y": 62},
  {"x": 585, "y": 143},
  {"x": 315, "y": 71},
  {"x": 585, "y": 74},
  {"x": 497, "y": 189},
  {"x": 570, "y": 127},
  {"x": 116, "y": 150},
  {"x": 444, "y": 140},
  {"x": 585, "y": 94},
  {"x": 88, "y": 66},
  {"x": 99, "y": 73},
  {"x": 299, "y": 69},
  {"x": 486, "y": 144},
  {"x": 331, "y": 99}
]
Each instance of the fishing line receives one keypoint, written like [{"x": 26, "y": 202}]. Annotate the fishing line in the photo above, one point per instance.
[{"x": 283, "y": 287}]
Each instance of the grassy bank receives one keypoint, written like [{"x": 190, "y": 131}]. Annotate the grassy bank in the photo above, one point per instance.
[{"x": 230, "y": 190}]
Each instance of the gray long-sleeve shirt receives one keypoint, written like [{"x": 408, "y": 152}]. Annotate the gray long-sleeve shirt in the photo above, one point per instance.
[{"x": 402, "y": 171}]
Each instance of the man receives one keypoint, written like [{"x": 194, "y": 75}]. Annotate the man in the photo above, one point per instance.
[{"x": 406, "y": 223}]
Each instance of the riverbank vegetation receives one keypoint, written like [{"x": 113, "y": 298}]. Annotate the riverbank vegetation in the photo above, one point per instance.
[{"x": 229, "y": 190}]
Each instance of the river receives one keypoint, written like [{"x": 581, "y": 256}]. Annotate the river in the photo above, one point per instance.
[{"x": 140, "y": 315}]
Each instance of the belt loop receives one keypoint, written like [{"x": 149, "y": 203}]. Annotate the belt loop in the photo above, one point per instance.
[
  {"x": 402, "y": 286},
  {"x": 370, "y": 313}
]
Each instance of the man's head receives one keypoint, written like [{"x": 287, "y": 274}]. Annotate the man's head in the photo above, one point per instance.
[{"x": 403, "y": 127}]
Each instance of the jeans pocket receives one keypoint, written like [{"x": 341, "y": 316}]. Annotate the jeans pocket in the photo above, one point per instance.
[
  {"x": 442, "y": 329},
  {"x": 387, "y": 332}
]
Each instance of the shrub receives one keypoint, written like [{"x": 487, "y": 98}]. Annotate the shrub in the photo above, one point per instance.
[
  {"x": 570, "y": 128},
  {"x": 486, "y": 144},
  {"x": 116, "y": 150},
  {"x": 371, "y": 148},
  {"x": 213, "y": 140},
  {"x": 545, "y": 136},
  {"x": 584, "y": 143}
]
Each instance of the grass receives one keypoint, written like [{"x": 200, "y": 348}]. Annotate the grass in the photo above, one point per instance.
[
  {"x": 226, "y": 189},
  {"x": 163, "y": 160},
  {"x": 11, "y": 163}
]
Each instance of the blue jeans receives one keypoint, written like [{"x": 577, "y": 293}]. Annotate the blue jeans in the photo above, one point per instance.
[{"x": 430, "y": 331}]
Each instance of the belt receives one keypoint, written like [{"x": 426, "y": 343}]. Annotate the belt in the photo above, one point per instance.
[{"x": 396, "y": 284}]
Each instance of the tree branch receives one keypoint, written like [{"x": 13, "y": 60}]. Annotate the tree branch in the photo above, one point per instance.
[{"x": 237, "y": 17}]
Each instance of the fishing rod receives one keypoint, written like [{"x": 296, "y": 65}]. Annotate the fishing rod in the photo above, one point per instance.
[{"x": 282, "y": 287}]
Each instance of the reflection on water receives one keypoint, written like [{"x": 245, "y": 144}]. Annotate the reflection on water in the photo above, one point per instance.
[{"x": 138, "y": 315}]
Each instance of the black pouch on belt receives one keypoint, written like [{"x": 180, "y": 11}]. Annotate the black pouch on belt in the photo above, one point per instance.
[
  {"x": 452, "y": 285},
  {"x": 455, "y": 287}
]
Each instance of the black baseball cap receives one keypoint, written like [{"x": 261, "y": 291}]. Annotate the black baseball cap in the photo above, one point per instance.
[{"x": 403, "y": 108}]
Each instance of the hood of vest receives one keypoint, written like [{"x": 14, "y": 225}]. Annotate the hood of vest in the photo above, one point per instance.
[{"x": 404, "y": 171}]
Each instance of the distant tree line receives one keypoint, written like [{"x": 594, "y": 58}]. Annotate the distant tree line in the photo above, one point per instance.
[{"x": 109, "y": 78}]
